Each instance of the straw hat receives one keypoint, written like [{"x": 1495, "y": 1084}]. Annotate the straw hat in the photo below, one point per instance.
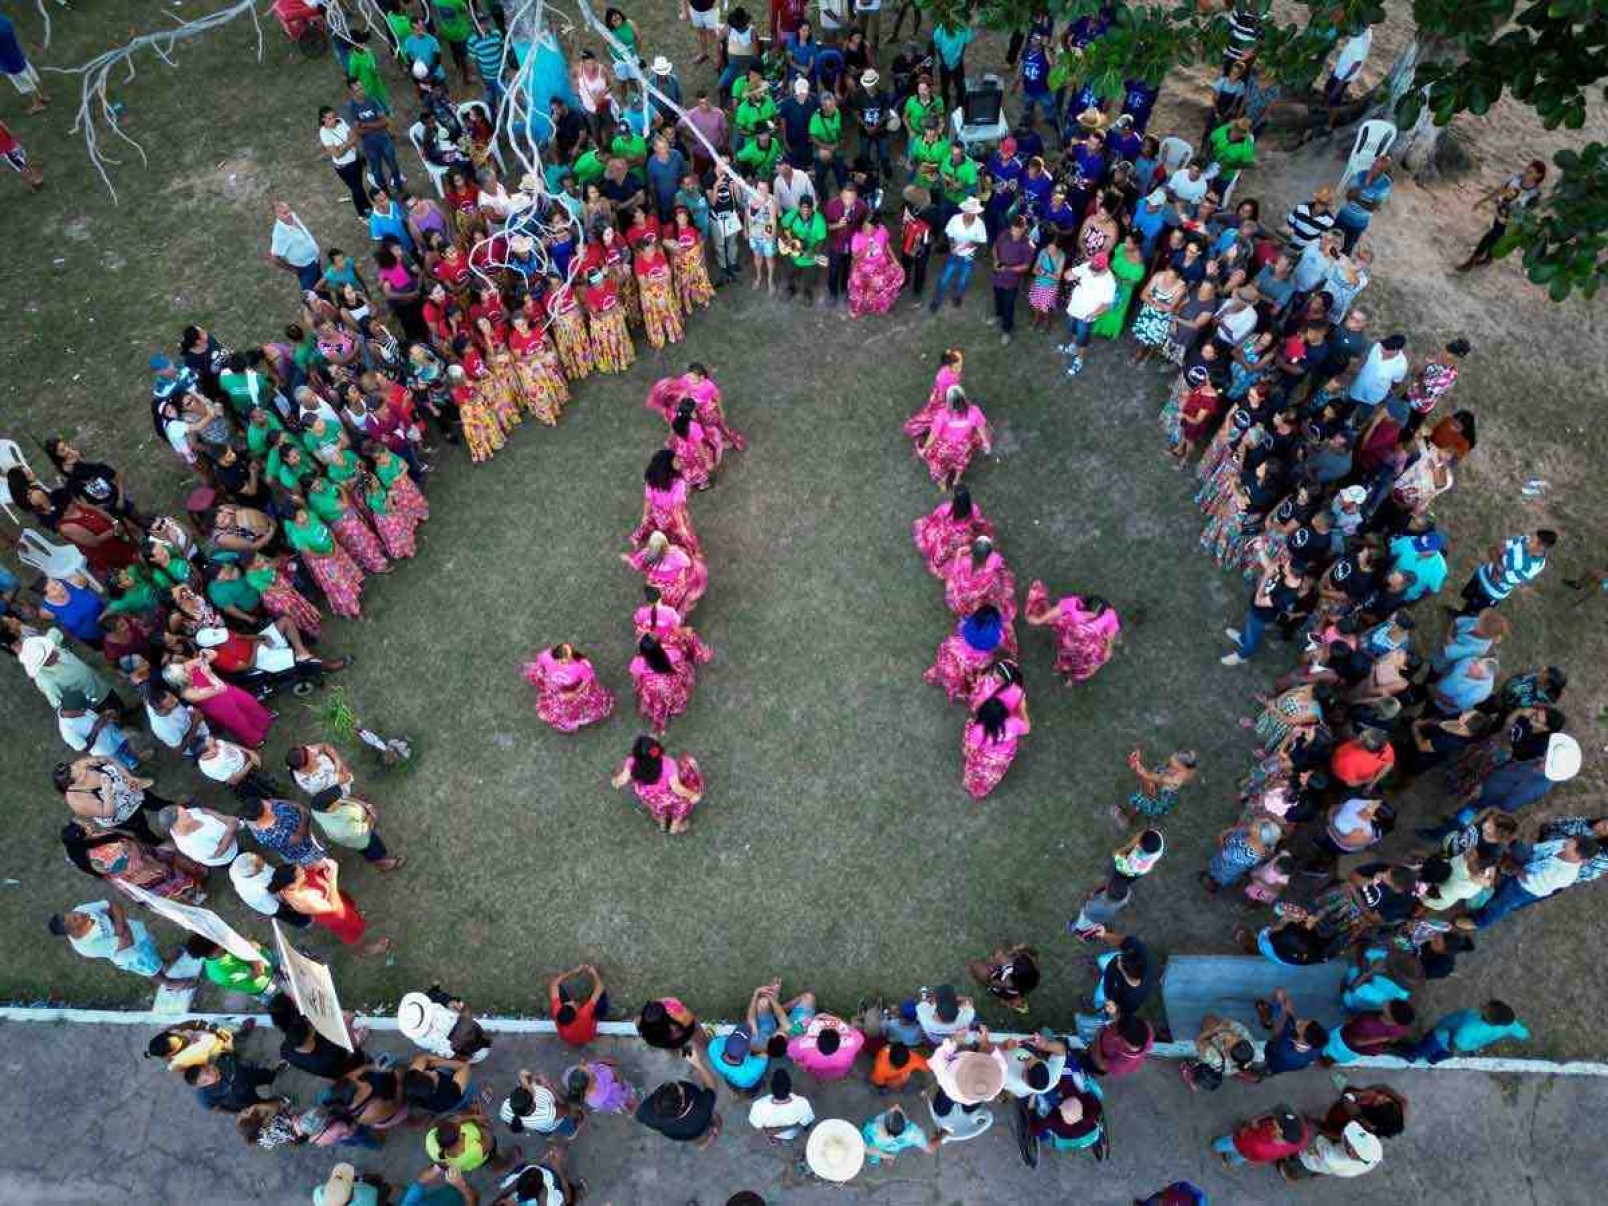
[
  {"x": 530, "y": 182},
  {"x": 35, "y": 650},
  {"x": 869, "y": 78},
  {"x": 835, "y": 1150},
  {"x": 977, "y": 1077},
  {"x": 421, "y": 1019},
  {"x": 1092, "y": 119},
  {"x": 971, "y": 205},
  {"x": 1563, "y": 758},
  {"x": 337, "y": 1189}
]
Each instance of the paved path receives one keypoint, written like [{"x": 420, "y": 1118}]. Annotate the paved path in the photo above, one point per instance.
[{"x": 88, "y": 1121}]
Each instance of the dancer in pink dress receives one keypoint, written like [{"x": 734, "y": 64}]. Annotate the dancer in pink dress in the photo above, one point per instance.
[
  {"x": 697, "y": 455},
  {"x": 680, "y": 577},
  {"x": 977, "y": 577},
  {"x": 664, "y": 504},
  {"x": 957, "y": 431},
  {"x": 950, "y": 367},
  {"x": 568, "y": 693},
  {"x": 999, "y": 719},
  {"x": 669, "y": 788},
  {"x": 965, "y": 655},
  {"x": 697, "y": 384},
  {"x": 664, "y": 678},
  {"x": 875, "y": 278},
  {"x": 951, "y": 528},
  {"x": 226, "y": 707},
  {"x": 1085, "y": 629},
  {"x": 663, "y": 623}
]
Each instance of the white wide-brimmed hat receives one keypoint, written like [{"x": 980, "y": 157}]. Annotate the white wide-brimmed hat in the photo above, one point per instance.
[
  {"x": 422, "y": 1020},
  {"x": 971, "y": 205},
  {"x": 660, "y": 65},
  {"x": 1563, "y": 758},
  {"x": 835, "y": 1150}
]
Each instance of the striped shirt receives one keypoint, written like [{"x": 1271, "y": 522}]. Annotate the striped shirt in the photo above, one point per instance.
[
  {"x": 486, "y": 49},
  {"x": 1513, "y": 569},
  {"x": 1244, "y": 31},
  {"x": 1306, "y": 226},
  {"x": 1572, "y": 827}
]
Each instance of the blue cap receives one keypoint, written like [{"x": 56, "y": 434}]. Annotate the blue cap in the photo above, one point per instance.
[
  {"x": 907, "y": 1010},
  {"x": 160, "y": 362},
  {"x": 1429, "y": 542}
]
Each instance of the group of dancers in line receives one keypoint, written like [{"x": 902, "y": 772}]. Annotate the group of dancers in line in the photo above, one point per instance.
[
  {"x": 667, "y": 553},
  {"x": 977, "y": 662}
]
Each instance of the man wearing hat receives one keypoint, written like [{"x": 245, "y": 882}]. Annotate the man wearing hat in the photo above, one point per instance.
[
  {"x": 967, "y": 234},
  {"x": 1277, "y": 1135},
  {"x": 342, "y": 1188},
  {"x": 1093, "y": 290},
  {"x": 969, "y": 1074},
  {"x": 1356, "y": 1152},
  {"x": 928, "y": 146},
  {"x": 915, "y": 237},
  {"x": 737, "y": 1063},
  {"x": 664, "y": 80},
  {"x": 56, "y": 670},
  {"x": 872, "y": 108},
  {"x": 760, "y": 154}
]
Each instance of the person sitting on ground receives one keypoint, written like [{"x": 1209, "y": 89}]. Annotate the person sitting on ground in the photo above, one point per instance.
[{"x": 784, "y": 1115}]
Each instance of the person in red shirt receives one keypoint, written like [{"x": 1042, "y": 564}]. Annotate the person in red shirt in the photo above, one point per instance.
[
  {"x": 1121, "y": 1047},
  {"x": 11, "y": 151},
  {"x": 1364, "y": 760},
  {"x": 576, "y": 1017},
  {"x": 785, "y": 17},
  {"x": 1274, "y": 1136}
]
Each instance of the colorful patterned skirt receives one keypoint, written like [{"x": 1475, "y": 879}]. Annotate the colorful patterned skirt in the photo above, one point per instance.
[
  {"x": 696, "y": 459},
  {"x": 283, "y": 599},
  {"x": 612, "y": 349},
  {"x": 1152, "y": 326},
  {"x": 395, "y": 531},
  {"x": 499, "y": 389},
  {"x": 939, "y": 537},
  {"x": 405, "y": 498},
  {"x": 481, "y": 431},
  {"x": 986, "y": 763},
  {"x": 661, "y": 317},
  {"x": 875, "y": 283},
  {"x": 358, "y": 539},
  {"x": 663, "y": 804},
  {"x": 693, "y": 289},
  {"x": 684, "y": 591},
  {"x": 569, "y": 709},
  {"x": 663, "y": 697},
  {"x": 958, "y": 667},
  {"x": 675, "y": 522},
  {"x": 948, "y": 456},
  {"x": 541, "y": 388},
  {"x": 1042, "y": 295},
  {"x": 625, "y": 284},
  {"x": 1172, "y": 414},
  {"x": 965, "y": 592},
  {"x": 338, "y": 577},
  {"x": 573, "y": 343}
]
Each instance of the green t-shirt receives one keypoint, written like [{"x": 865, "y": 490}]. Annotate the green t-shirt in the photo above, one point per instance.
[
  {"x": 234, "y": 592},
  {"x": 960, "y": 180},
  {"x": 588, "y": 166},
  {"x": 760, "y": 160},
  {"x": 633, "y": 148},
  {"x": 827, "y": 129},
  {"x": 452, "y": 20},
  {"x": 935, "y": 153},
  {"x": 915, "y": 113},
  {"x": 1232, "y": 155},
  {"x": 239, "y": 388},
  {"x": 811, "y": 234},
  {"x": 257, "y": 434},
  {"x": 361, "y": 65},
  {"x": 751, "y": 116},
  {"x": 235, "y": 974}
]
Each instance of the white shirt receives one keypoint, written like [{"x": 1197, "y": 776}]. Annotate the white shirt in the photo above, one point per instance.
[
  {"x": 1353, "y": 54},
  {"x": 201, "y": 844},
  {"x": 321, "y": 776},
  {"x": 253, "y": 889},
  {"x": 224, "y": 765},
  {"x": 1235, "y": 320},
  {"x": 1091, "y": 292},
  {"x": 936, "y": 1030},
  {"x": 335, "y": 136},
  {"x": 171, "y": 728},
  {"x": 1017, "y": 1060},
  {"x": 1190, "y": 191},
  {"x": 294, "y": 243},
  {"x": 1546, "y": 873},
  {"x": 1332, "y": 1159},
  {"x": 75, "y": 732},
  {"x": 788, "y": 193},
  {"x": 965, "y": 238},
  {"x": 1378, "y": 375},
  {"x": 769, "y": 1114}
]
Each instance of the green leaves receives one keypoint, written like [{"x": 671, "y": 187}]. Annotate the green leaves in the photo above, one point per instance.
[{"x": 1564, "y": 239}]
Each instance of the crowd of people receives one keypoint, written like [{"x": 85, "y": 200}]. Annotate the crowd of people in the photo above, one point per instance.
[{"x": 1322, "y": 450}]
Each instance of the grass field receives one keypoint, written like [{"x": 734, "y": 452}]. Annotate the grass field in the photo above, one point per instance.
[{"x": 835, "y": 846}]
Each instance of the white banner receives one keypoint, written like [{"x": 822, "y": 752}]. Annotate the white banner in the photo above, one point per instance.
[
  {"x": 198, "y": 921},
  {"x": 313, "y": 990}
]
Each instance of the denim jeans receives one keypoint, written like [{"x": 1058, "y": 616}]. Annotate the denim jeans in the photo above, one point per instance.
[
  {"x": 308, "y": 275},
  {"x": 380, "y": 151},
  {"x": 1078, "y": 331},
  {"x": 1251, "y": 634},
  {"x": 956, "y": 275},
  {"x": 1223, "y": 1145},
  {"x": 1510, "y": 897},
  {"x": 1005, "y": 308}
]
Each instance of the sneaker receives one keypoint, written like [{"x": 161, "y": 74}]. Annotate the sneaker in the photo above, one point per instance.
[
  {"x": 1005, "y": 339},
  {"x": 1232, "y": 659},
  {"x": 1075, "y": 367},
  {"x": 1232, "y": 634},
  {"x": 991, "y": 321},
  {"x": 1066, "y": 349}
]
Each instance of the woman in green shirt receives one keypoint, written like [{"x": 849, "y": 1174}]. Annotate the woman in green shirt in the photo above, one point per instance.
[
  {"x": 333, "y": 505},
  {"x": 625, "y": 32},
  {"x": 1128, "y": 266},
  {"x": 329, "y": 564}
]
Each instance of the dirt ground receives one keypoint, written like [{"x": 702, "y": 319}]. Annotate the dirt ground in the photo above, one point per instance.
[{"x": 836, "y": 846}]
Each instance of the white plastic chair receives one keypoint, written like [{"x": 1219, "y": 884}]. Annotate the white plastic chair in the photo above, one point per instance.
[
  {"x": 437, "y": 174},
  {"x": 465, "y": 108},
  {"x": 1175, "y": 153},
  {"x": 54, "y": 560},
  {"x": 10, "y": 458},
  {"x": 1374, "y": 138}
]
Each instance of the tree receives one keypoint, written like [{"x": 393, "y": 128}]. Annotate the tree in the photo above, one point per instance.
[{"x": 1565, "y": 240}]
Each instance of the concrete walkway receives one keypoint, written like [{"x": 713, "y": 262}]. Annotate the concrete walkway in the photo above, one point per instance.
[{"x": 88, "y": 1120}]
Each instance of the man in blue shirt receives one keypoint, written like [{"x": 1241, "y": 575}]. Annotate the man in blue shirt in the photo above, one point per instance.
[
  {"x": 1033, "y": 79},
  {"x": 1366, "y": 191},
  {"x": 1507, "y": 567},
  {"x": 1465, "y": 1032},
  {"x": 369, "y": 118},
  {"x": 420, "y": 46},
  {"x": 738, "y": 1064}
]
